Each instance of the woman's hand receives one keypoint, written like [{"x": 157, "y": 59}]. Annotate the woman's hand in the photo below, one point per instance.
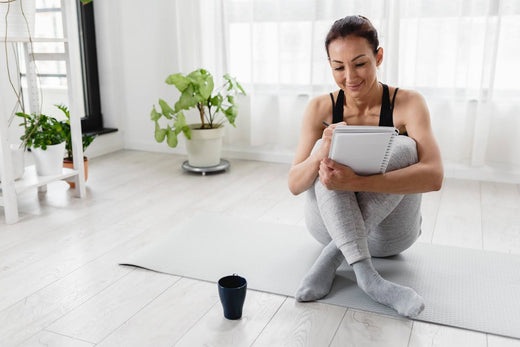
[
  {"x": 326, "y": 138},
  {"x": 335, "y": 176},
  {"x": 313, "y": 146}
]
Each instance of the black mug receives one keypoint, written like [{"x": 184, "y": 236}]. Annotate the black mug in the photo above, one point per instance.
[{"x": 232, "y": 292}]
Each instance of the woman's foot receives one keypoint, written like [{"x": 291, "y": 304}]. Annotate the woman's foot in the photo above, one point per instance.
[
  {"x": 317, "y": 282},
  {"x": 402, "y": 299}
]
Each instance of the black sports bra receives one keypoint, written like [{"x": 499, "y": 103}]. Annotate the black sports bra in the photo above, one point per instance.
[{"x": 385, "y": 116}]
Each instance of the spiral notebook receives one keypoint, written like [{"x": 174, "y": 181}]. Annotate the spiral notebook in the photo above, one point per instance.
[{"x": 365, "y": 149}]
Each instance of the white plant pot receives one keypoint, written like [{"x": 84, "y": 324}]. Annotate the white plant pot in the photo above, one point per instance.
[
  {"x": 17, "y": 157},
  {"x": 50, "y": 161},
  {"x": 205, "y": 147},
  {"x": 16, "y": 24}
]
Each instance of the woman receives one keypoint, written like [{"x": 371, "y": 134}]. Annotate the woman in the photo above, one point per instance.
[{"x": 357, "y": 217}]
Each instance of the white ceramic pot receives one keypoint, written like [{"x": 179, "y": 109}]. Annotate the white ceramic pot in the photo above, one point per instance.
[
  {"x": 205, "y": 147},
  {"x": 50, "y": 161},
  {"x": 16, "y": 24},
  {"x": 17, "y": 157}
]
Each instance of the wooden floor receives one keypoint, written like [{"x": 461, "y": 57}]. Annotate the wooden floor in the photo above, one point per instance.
[{"x": 60, "y": 284}]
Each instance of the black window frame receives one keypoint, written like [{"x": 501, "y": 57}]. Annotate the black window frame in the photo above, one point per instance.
[{"x": 92, "y": 123}]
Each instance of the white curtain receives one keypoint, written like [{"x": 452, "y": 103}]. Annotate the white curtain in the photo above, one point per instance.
[{"x": 462, "y": 55}]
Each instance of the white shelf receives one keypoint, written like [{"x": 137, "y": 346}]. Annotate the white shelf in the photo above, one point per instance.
[
  {"x": 9, "y": 187},
  {"x": 31, "y": 180}
]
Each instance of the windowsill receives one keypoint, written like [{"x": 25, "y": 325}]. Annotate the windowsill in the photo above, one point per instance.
[{"x": 102, "y": 131}]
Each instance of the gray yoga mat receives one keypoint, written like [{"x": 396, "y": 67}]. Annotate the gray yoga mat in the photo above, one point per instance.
[{"x": 464, "y": 288}]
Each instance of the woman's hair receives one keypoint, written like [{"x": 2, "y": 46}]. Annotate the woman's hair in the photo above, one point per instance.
[{"x": 353, "y": 25}]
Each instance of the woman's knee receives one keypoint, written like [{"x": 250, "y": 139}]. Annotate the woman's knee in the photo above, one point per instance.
[{"x": 404, "y": 153}]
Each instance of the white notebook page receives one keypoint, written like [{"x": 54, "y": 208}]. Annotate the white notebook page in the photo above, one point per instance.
[{"x": 365, "y": 153}]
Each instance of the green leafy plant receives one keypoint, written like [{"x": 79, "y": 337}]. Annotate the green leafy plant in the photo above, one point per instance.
[
  {"x": 86, "y": 139},
  {"x": 41, "y": 130},
  {"x": 197, "y": 91}
]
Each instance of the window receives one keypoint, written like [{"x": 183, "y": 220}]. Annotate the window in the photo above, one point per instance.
[
  {"x": 468, "y": 49},
  {"x": 49, "y": 53},
  {"x": 52, "y": 64}
]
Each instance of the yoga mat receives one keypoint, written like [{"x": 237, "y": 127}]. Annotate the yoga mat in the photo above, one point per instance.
[{"x": 464, "y": 288}]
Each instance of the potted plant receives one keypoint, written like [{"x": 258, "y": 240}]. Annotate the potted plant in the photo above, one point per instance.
[
  {"x": 45, "y": 137},
  {"x": 215, "y": 107},
  {"x": 86, "y": 140}
]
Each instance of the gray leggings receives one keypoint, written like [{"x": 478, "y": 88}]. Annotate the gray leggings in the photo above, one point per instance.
[{"x": 364, "y": 224}]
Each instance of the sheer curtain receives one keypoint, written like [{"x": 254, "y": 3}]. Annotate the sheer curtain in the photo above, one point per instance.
[{"x": 460, "y": 54}]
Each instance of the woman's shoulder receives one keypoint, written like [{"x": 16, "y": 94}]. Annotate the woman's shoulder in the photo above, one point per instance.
[
  {"x": 323, "y": 99},
  {"x": 410, "y": 107},
  {"x": 406, "y": 95},
  {"x": 322, "y": 102},
  {"x": 319, "y": 108}
]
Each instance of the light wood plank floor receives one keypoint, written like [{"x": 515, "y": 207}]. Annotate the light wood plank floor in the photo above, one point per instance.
[{"x": 60, "y": 283}]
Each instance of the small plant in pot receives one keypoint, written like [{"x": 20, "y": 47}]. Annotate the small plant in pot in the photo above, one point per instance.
[
  {"x": 86, "y": 140},
  {"x": 214, "y": 107},
  {"x": 45, "y": 137}
]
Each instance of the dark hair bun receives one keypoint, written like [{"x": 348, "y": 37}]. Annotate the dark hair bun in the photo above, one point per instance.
[{"x": 353, "y": 25}]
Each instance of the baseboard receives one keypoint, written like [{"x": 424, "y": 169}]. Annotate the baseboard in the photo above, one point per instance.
[{"x": 229, "y": 152}]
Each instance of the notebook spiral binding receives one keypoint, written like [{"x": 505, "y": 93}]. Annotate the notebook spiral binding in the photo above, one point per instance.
[{"x": 388, "y": 152}]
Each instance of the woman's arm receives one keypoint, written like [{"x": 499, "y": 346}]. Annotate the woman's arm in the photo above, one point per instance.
[
  {"x": 426, "y": 175},
  {"x": 304, "y": 169}
]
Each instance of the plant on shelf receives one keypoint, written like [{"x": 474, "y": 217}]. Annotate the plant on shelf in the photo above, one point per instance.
[
  {"x": 46, "y": 137},
  {"x": 41, "y": 131},
  {"x": 86, "y": 140},
  {"x": 214, "y": 109}
]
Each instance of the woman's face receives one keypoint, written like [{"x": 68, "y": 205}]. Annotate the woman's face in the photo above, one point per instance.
[{"x": 354, "y": 64}]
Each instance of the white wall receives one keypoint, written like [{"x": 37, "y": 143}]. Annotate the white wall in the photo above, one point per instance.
[
  {"x": 138, "y": 47},
  {"x": 136, "y": 52}
]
